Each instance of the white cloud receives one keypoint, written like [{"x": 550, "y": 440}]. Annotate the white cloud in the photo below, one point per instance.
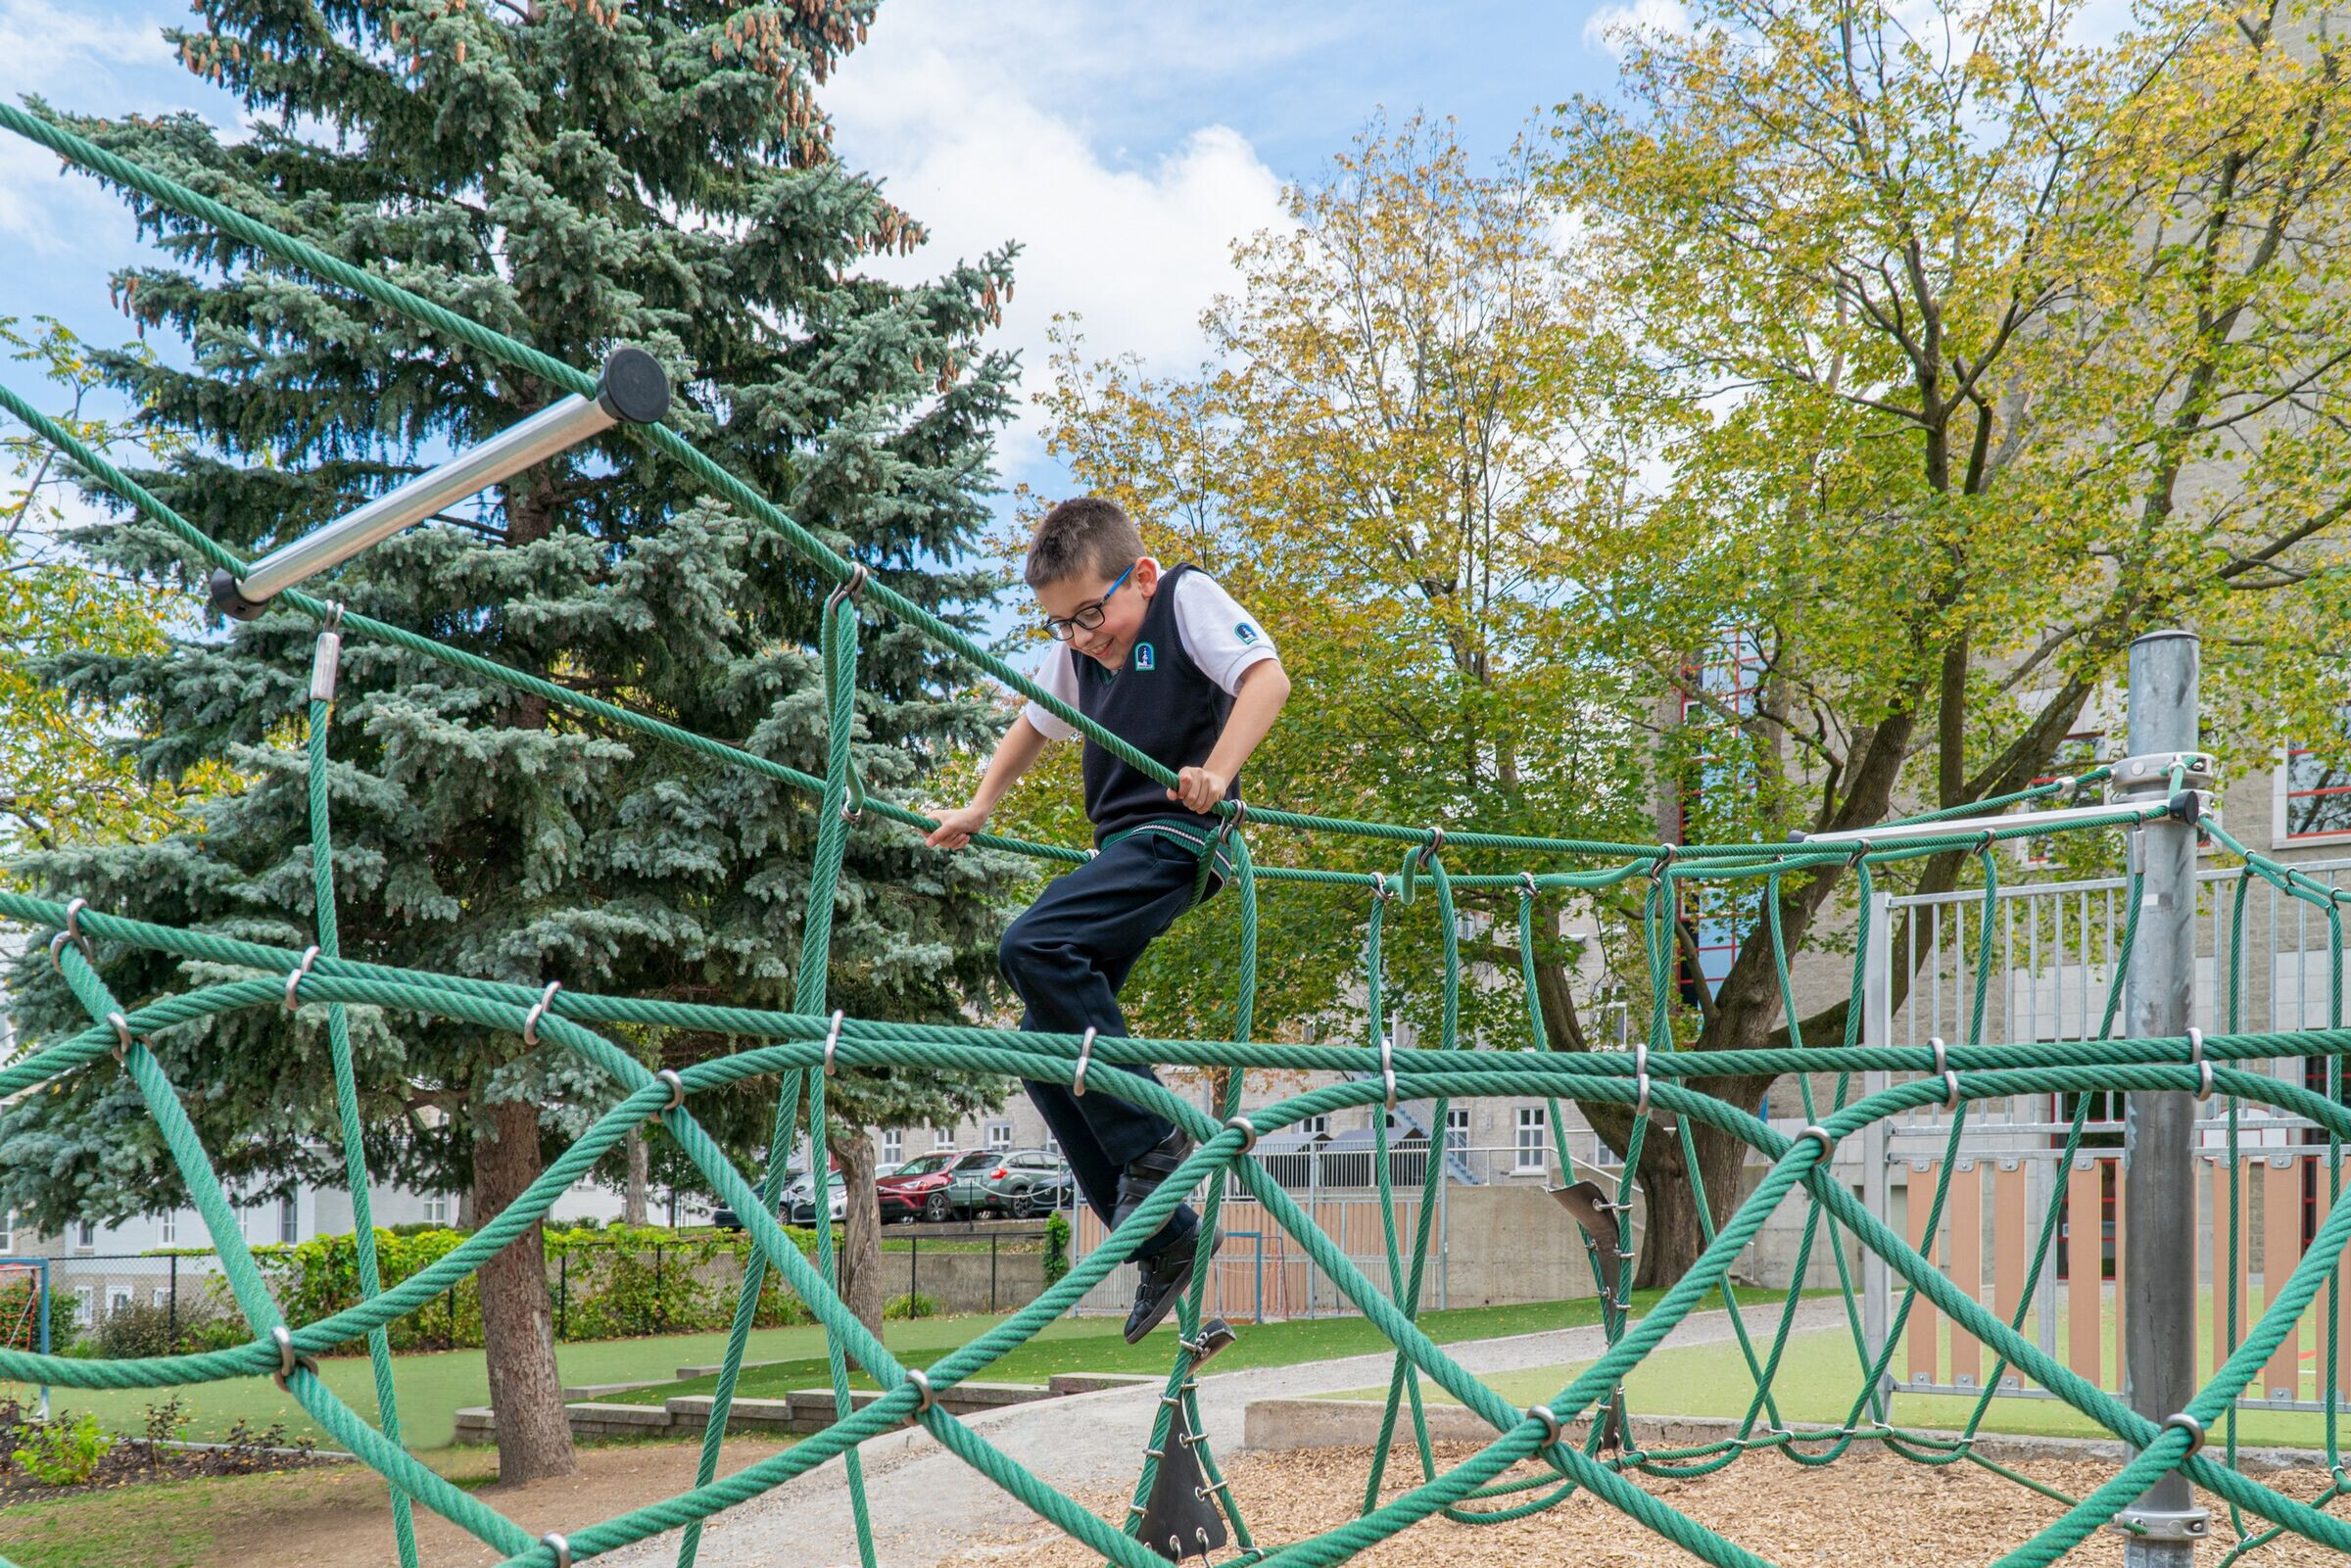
[
  {"x": 1607, "y": 27},
  {"x": 980, "y": 126}
]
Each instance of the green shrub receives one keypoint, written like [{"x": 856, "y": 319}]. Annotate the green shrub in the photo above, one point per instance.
[
  {"x": 1057, "y": 1249},
  {"x": 912, "y": 1305},
  {"x": 64, "y": 1453}
]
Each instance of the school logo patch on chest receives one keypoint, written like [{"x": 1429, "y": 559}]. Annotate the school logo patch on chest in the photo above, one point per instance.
[{"x": 1144, "y": 658}]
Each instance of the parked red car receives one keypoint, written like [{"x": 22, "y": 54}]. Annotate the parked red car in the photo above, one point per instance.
[{"x": 922, "y": 1188}]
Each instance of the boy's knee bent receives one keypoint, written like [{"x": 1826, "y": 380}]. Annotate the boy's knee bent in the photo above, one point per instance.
[{"x": 1021, "y": 954}]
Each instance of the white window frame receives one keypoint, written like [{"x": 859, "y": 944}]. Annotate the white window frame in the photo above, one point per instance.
[
  {"x": 8, "y": 1230},
  {"x": 2281, "y": 794},
  {"x": 942, "y": 1139},
  {"x": 894, "y": 1146},
  {"x": 1000, "y": 1136},
  {"x": 289, "y": 1220},
  {"x": 1534, "y": 1134},
  {"x": 85, "y": 1235},
  {"x": 159, "y": 1297},
  {"x": 119, "y": 1296},
  {"x": 166, "y": 1229},
  {"x": 436, "y": 1208},
  {"x": 85, "y": 1304},
  {"x": 1319, "y": 1123}
]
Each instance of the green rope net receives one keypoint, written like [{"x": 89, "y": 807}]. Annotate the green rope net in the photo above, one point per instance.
[{"x": 796, "y": 1048}]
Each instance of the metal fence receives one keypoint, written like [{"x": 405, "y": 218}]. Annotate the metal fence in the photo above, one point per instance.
[{"x": 2047, "y": 974}]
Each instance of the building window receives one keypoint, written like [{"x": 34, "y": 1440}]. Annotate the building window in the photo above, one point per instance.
[
  {"x": 1456, "y": 1127},
  {"x": 1315, "y": 1126},
  {"x": 159, "y": 1297},
  {"x": 166, "y": 1229},
  {"x": 2317, "y": 789},
  {"x": 436, "y": 1208},
  {"x": 8, "y": 1230},
  {"x": 999, "y": 1135},
  {"x": 289, "y": 1221},
  {"x": 1052, "y": 1144},
  {"x": 85, "y": 1234},
  {"x": 1531, "y": 1145},
  {"x": 85, "y": 1303},
  {"x": 894, "y": 1146},
  {"x": 942, "y": 1137},
  {"x": 117, "y": 1297}
]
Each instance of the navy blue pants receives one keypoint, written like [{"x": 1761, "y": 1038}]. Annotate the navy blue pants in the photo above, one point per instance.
[{"x": 1068, "y": 957}]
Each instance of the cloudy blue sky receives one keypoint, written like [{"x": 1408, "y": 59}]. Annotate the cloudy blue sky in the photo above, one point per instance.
[{"x": 1124, "y": 145}]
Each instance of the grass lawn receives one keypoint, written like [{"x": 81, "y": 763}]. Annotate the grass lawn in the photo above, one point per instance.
[
  {"x": 433, "y": 1386},
  {"x": 1095, "y": 1345},
  {"x": 1819, "y": 1376}
]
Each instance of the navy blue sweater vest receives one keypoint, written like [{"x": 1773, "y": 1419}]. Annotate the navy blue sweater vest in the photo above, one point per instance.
[{"x": 1161, "y": 705}]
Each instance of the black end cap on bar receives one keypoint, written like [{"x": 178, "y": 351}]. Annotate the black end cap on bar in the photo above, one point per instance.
[
  {"x": 633, "y": 387},
  {"x": 228, "y": 597},
  {"x": 2187, "y": 806}
]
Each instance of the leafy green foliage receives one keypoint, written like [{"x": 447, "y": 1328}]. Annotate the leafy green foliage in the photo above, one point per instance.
[
  {"x": 910, "y": 1306},
  {"x": 64, "y": 1453},
  {"x": 1057, "y": 1247}
]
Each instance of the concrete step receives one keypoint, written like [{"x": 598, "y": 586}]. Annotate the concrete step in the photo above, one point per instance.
[
  {"x": 693, "y": 1411},
  {"x": 1063, "y": 1383}
]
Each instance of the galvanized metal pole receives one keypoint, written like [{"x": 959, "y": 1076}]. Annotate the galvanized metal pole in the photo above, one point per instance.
[
  {"x": 2159, "y": 1185},
  {"x": 1877, "y": 1030}
]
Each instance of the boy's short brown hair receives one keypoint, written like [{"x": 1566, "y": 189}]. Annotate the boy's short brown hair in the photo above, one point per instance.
[{"x": 1082, "y": 532}]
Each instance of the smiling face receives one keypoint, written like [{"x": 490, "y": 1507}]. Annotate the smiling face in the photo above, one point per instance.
[{"x": 1122, "y": 611}]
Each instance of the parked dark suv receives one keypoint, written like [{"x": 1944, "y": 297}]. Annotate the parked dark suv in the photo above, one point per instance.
[{"x": 923, "y": 1188}]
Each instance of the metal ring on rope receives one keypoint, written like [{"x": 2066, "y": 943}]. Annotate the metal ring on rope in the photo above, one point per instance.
[
  {"x": 1433, "y": 848},
  {"x": 2196, "y": 1053},
  {"x": 1379, "y": 886},
  {"x": 310, "y": 956},
  {"x": 849, "y": 812},
  {"x": 334, "y": 616},
  {"x": 1991, "y": 836},
  {"x": 833, "y": 1043},
  {"x": 122, "y": 1034},
  {"x": 1859, "y": 854},
  {"x": 554, "y": 1541},
  {"x": 530, "y": 1020},
  {"x": 1231, "y": 824},
  {"x": 1942, "y": 1069},
  {"x": 1641, "y": 1077},
  {"x": 1820, "y": 1135},
  {"x": 1248, "y": 1132},
  {"x": 1527, "y": 880},
  {"x": 922, "y": 1384},
  {"x": 1549, "y": 1418},
  {"x": 677, "y": 1088},
  {"x": 1665, "y": 854},
  {"x": 1387, "y": 1066},
  {"x": 1085, "y": 1057},
  {"x": 2192, "y": 1427}
]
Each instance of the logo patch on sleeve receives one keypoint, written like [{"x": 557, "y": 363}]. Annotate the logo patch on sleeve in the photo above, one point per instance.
[
  {"x": 1244, "y": 630},
  {"x": 1144, "y": 658}
]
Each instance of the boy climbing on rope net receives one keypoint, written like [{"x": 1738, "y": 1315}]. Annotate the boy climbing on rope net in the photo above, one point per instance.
[{"x": 1165, "y": 661}]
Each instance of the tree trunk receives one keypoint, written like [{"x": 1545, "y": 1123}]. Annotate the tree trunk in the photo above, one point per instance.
[
  {"x": 632, "y": 1211},
  {"x": 526, "y": 1391},
  {"x": 861, "y": 1231},
  {"x": 1673, "y": 1238}
]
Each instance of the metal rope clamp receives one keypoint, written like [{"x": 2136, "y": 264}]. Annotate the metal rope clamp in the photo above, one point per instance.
[
  {"x": 922, "y": 1383},
  {"x": 2196, "y": 1054},
  {"x": 1943, "y": 1070},
  {"x": 310, "y": 956},
  {"x": 1820, "y": 1135},
  {"x": 1247, "y": 1130},
  {"x": 287, "y": 1360},
  {"x": 1387, "y": 1066},
  {"x": 1433, "y": 848},
  {"x": 123, "y": 1036},
  {"x": 677, "y": 1089},
  {"x": 1665, "y": 854},
  {"x": 1549, "y": 1418},
  {"x": 554, "y": 1541},
  {"x": 833, "y": 1043},
  {"x": 1085, "y": 1057},
  {"x": 1641, "y": 1078},
  {"x": 72, "y": 933},
  {"x": 1379, "y": 886},
  {"x": 530, "y": 1020}
]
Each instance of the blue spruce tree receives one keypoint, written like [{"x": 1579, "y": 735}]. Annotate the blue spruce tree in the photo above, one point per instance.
[{"x": 579, "y": 175}]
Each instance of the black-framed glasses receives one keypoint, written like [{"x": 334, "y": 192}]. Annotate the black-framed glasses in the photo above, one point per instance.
[{"x": 1086, "y": 617}]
